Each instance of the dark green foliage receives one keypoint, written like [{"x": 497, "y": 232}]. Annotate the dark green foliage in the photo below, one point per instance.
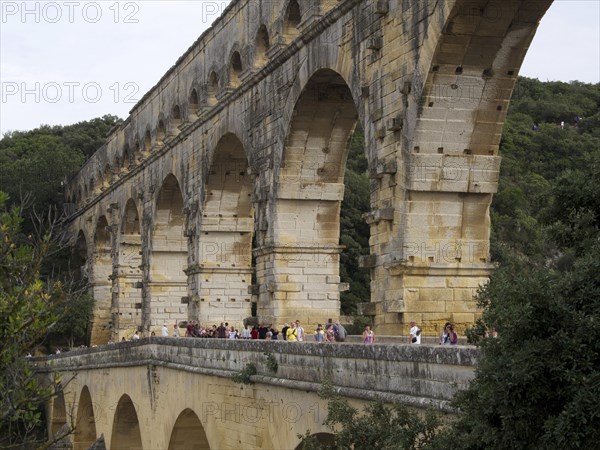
[
  {"x": 72, "y": 327},
  {"x": 354, "y": 230},
  {"x": 536, "y": 162},
  {"x": 378, "y": 426},
  {"x": 244, "y": 375},
  {"x": 538, "y": 384},
  {"x": 28, "y": 310},
  {"x": 271, "y": 362},
  {"x": 36, "y": 162},
  {"x": 35, "y": 165},
  {"x": 539, "y": 381}
]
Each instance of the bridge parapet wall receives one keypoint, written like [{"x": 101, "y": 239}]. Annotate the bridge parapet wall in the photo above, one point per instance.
[{"x": 424, "y": 376}]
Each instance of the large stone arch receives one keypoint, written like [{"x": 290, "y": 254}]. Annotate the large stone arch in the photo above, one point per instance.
[
  {"x": 100, "y": 282},
  {"x": 127, "y": 287},
  {"x": 85, "y": 426},
  {"x": 168, "y": 260},
  {"x": 126, "y": 432},
  {"x": 300, "y": 270},
  {"x": 328, "y": 61},
  {"x": 224, "y": 271},
  {"x": 434, "y": 253},
  {"x": 188, "y": 433}
]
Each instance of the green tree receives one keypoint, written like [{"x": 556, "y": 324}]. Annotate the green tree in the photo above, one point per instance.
[
  {"x": 36, "y": 163},
  {"x": 354, "y": 230},
  {"x": 73, "y": 324},
  {"x": 28, "y": 309},
  {"x": 538, "y": 384},
  {"x": 377, "y": 426}
]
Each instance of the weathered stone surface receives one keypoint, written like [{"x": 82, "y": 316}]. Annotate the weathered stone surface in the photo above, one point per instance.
[
  {"x": 241, "y": 148},
  {"x": 142, "y": 390}
]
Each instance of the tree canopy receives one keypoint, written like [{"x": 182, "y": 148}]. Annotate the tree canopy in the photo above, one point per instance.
[
  {"x": 37, "y": 163},
  {"x": 538, "y": 383}
]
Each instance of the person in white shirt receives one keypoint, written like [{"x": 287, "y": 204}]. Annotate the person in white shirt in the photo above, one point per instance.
[
  {"x": 165, "y": 330},
  {"x": 415, "y": 333},
  {"x": 245, "y": 333},
  {"x": 299, "y": 331}
]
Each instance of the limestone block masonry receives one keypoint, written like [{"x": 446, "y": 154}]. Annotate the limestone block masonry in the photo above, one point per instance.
[
  {"x": 223, "y": 187},
  {"x": 169, "y": 393}
]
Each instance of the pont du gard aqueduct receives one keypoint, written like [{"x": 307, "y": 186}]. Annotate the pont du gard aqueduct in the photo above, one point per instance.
[{"x": 219, "y": 199}]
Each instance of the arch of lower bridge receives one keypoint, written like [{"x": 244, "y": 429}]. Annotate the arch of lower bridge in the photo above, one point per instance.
[
  {"x": 151, "y": 407},
  {"x": 85, "y": 424},
  {"x": 165, "y": 391}
]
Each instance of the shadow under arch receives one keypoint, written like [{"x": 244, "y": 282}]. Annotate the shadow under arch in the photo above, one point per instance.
[
  {"x": 188, "y": 433},
  {"x": 85, "y": 427},
  {"x": 126, "y": 433}
]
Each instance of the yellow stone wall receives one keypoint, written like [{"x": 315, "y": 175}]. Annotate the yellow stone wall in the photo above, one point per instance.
[{"x": 428, "y": 81}]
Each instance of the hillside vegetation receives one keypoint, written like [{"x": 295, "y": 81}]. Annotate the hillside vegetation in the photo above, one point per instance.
[{"x": 538, "y": 384}]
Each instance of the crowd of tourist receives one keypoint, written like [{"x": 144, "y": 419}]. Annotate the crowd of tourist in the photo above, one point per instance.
[{"x": 293, "y": 332}]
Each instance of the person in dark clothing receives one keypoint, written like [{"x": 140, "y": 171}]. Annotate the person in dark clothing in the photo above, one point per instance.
[
  {"x": 262, "y": 331},
  {"x": 284, "y": 331}
]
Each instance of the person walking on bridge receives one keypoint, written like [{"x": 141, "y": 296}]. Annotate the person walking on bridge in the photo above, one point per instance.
[
  {"x": 299, "y": 331},
  {"x": 292, "y": 333},
  {"x": 415, "y": 333},
  {"x": 368, "y": 335}
]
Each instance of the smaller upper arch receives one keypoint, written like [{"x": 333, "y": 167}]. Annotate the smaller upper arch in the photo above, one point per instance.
[
  {"x": 291, "y": 21},
  {"x": 137, "y": 151},
  {"x": 193, "y": 104},
  {"x": 212, "y": 89},
  {"x": 107, "y": 176},
  {"x": 235, "y": 69},
  {"x": 147, "y": 142},
  {"x": 176, "y": 120},
  {"x": 160, "y": 131},
  {"x": 127, "y": 160},
  {"x": 261, "y": 46}
]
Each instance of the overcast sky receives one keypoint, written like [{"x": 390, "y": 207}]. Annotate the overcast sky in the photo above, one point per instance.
[{"x": 66, "y": 61}]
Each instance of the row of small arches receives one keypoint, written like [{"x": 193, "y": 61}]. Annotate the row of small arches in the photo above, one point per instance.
[
  {"x": 171, "y": 126},
  {"x": 188, "y": 430}
]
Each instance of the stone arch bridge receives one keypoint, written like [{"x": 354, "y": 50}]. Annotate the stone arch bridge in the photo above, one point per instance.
[
  {"x": 178, "y": 394},
  {"x": 223, "y": 187}
]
